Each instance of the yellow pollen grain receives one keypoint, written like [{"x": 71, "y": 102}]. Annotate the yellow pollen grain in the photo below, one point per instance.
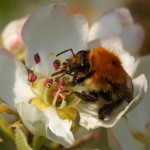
[
  {"x": 52, "y": 54},
  {"x": 38, "y": 84},
  {"x": 39, "y": 103},
  {"x": 68, "y": 113},
  {"x": 34, "y": 84},
  {"x": 139, "y": 136}
]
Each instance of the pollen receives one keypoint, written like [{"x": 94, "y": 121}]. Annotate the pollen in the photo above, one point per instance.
[
  {"x": 48, "y": 83},
  {"x": 37, "y": 58},
  {"x": 39, "y": 103},
  {"x": 68, "y": 113},
  {"x": 56, "y": 64},
  {"x": 32, "y": 77}
]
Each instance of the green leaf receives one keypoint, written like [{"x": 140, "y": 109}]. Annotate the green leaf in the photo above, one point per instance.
[
  {"x": 6, "y": 136},
  {"x": 4, "y": 126},
  {"x": 6, "y": 143},
  {"x": 21, "y": 141},
  {"x": 38, "y": 142}
]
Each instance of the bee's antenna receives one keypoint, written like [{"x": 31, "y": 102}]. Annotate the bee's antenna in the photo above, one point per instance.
[
  {"x": 65, "y": 52},
  {"x": 67, "y": 72}
]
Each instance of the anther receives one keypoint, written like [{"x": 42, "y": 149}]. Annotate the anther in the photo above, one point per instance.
[
  {"x": 32, "y": 77},
  {"x": 37, "y": 58},
  {"x": 56, "y": 64},
  {"x": 48, "y": 82}
]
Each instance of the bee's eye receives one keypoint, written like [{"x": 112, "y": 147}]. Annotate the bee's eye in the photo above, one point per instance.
[
  {"x": 81, "y": 68},
  {"x": 84, "y": 67},
  {"x": 84, "y": 64}
]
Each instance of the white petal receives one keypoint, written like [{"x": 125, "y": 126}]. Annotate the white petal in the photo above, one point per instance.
[
  {"x": 88, "y": 113},
  {"x": 48, "y": 30},
  {"x": 114, "y": 44},
  {"x": 142, "y": 111},
  {"x": 46, "y": 123},
  {"x": 61, "y": 128},
  {"x": 123, "y": 134},
  {"x": 140, "y": 88},
  {"x": 138, "y": 118},
  {"x": 143, "y": 67},
  {"x": 112, "y": 141},
  {"x": 14, "y": 87},
  {"x": 11, "y": 35},
  {"x": 88, "y": 116},
  {"x": 110, "y": 24},
  {"x": 132, "y": 37}
]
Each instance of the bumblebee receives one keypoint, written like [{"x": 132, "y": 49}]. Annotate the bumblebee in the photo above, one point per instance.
[{"x": 102, "y": 76}]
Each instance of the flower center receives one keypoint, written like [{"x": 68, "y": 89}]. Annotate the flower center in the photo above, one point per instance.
[
  {"x": 48, "y": 92},
  {"x": 52, "y": 92}
]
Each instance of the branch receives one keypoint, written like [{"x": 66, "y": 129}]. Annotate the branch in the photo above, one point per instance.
[{"x": 84, "y": 139}]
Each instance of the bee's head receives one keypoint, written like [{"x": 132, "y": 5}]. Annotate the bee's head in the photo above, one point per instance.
[{"x": 79, "y": 62}]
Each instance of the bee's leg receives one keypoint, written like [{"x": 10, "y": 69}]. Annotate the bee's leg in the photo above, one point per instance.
[
  {"x": 70, "y": 83},
  {"x": 87, "y": 97},
  {"x": 77, "y": 80},
  {"x": 107, "y": 109}
]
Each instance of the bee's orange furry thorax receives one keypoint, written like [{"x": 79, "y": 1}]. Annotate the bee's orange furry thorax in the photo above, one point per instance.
[{"x": 106, "y": 65}]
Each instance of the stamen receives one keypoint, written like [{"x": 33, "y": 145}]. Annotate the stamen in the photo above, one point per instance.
[
  {"x": 37, "y": 58},
  {"x": 59, "y": 96},
  {"x": 57, "y": 81},
  {"x": 45, "y": 96},
  {"x": 32, "y": 77},
  {"x": 55, "y": 98},
  {"x": 63, "y": 103},
  {"x": 56, "y": 64},
  {"x": 48, "y": 83},
  {"x": 35, "y": 91},
  {"x": 65, "y": 91}
]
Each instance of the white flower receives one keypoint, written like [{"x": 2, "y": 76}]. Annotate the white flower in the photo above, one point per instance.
[
  {"x": 41, "y": 101},
  {"x": 115, "y": 23},
  {"x": 11, "y": 36},
  {"x": 120, "y": 23},
  {"x": 133, "y": 132},
  {"x": 88, "y": 112},
  {"x": 57, "y": 32}
]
